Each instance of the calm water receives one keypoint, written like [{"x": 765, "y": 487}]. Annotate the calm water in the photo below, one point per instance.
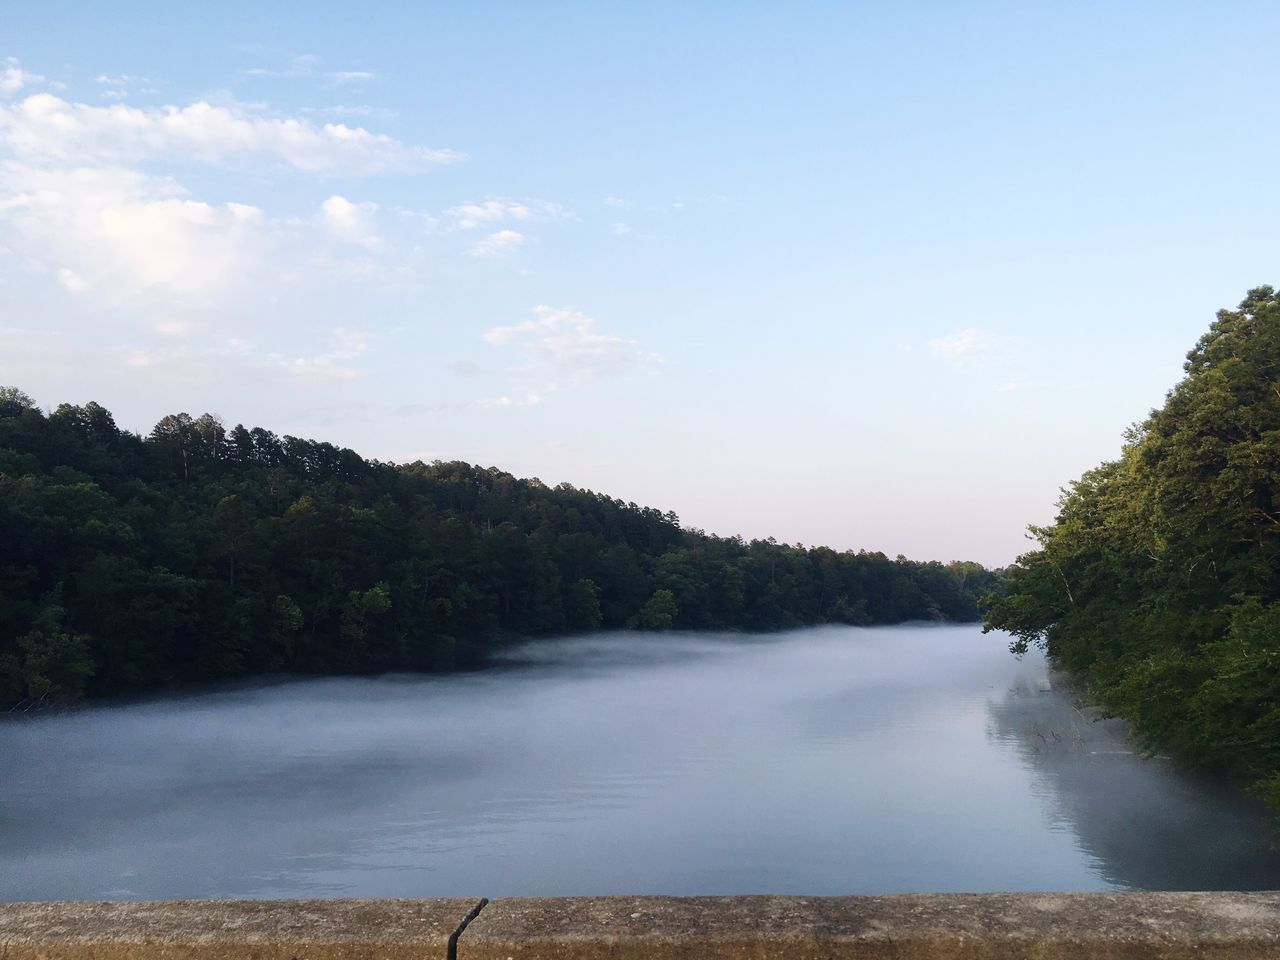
[{"x": 823, "y": 761}]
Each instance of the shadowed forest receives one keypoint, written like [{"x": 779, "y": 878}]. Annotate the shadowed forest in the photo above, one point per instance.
[{"x": 198, "y": 553}]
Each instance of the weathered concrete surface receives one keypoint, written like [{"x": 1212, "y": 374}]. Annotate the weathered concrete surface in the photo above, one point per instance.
[
  {"x": 938, "y": 927},
  {"x": 1170, "y": 926},
  {"x": 232, "y": 930}
]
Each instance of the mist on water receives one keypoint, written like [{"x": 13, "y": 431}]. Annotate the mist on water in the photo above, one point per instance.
[{"x": 824, "y": 761}]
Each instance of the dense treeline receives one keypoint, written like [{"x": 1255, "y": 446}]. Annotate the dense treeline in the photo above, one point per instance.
[
  {"x": 1159, "y": 581},
  {"x": 200, "y": 553}
]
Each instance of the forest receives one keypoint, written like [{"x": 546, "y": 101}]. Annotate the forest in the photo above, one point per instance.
[
  {"x": 1159, "y": 581},
  {"x": 198, "y": 553}
]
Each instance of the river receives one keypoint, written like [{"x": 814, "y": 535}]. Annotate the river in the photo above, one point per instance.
[{"x": 825, "y": 761}]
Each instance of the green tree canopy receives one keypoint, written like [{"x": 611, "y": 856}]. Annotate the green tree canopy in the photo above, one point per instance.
[{"x": 1159, "y": 580}]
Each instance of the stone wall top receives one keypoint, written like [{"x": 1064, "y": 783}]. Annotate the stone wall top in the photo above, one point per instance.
[
  {"x": 1169, "y": 926},
  {"x": 232, "y": 929},
  {"x": 995, "y": 926}
]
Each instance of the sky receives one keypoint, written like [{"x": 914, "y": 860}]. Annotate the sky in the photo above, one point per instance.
[{"x": 880, "y": 276}]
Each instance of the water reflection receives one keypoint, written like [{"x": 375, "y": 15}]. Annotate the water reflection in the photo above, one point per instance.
[
  {"x": 1148, "y": 825},
  {"x": 824, "y": 762}
]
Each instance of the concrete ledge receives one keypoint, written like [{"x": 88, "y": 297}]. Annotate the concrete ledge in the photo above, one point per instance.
[
  {"x": 1169, "y": 926},
  {"x": 943, "y": 926},
  {"x": 232, "y": 929}
]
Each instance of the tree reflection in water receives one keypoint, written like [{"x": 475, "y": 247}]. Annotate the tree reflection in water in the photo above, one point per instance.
[{"x": 1147, "y": 824}]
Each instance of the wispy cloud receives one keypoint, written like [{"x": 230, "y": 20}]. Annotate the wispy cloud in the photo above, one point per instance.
[
  {"x": 362, "y": 110},
  {"x": 969, "y": 348},
  {"x": 44, "y": 127},
  {"x": 977, "y": 351},
  {"x": 308, "y": 66},
  {"x": 492, "y": 211},
  {"x": 528, "y": 399},
  {"x": 302, "y": 65},
  {"x": 562, "y": 349},
  {"x": 119, "y": 86},
  {"x": 118, "y": 80},
  {"x": 351, "y": 76},
  {"x": 1014, "y": 385},
  {"x": 345, "y": 346},
  {"x": 498, "y": 244}
]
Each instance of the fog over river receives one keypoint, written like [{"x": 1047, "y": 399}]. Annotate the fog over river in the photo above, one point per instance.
[{"x": 824, "y": 761}]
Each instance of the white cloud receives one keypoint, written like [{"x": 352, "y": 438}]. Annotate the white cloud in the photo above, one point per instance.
[
  {"x": 970, "y": 347},
  {"x": 498, "y": 244},
  {"x": 79, "y": 200},
  {"x": 125, "y": 236},
  {"x": 44, "y": 127},
  {"x": 562, "y": 348},
  {"x": 350, "y": 222},
  {"x": 470, "y": 215},
  {"x": 94, "y": 200},
  {"x": 620, "y": 229},
  {"x": 618, "y": 203},
  {"x": 13, "y": 78}
]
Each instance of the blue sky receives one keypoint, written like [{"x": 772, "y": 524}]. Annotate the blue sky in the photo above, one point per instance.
[{"x": 871, "y": 275}]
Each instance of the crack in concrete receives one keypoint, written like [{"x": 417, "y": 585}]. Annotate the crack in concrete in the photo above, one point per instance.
[{"x": 451, "y": 951}]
